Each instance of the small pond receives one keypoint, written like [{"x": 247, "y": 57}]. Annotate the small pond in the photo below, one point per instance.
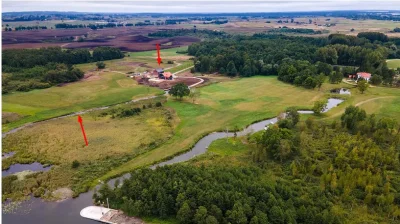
[
  {"x": 21, "y": 167},
  {"x": 342, "y": 91},
  {"x": 332, "y": 102}
]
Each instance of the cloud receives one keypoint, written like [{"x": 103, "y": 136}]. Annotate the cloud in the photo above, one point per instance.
[{"x": 180, "y": 6}]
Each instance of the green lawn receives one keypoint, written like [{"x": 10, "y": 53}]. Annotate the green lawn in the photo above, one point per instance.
[
  {"x": 103, "y": 89},
  {"x": 225, "y": 105},
  {"x": 163, "y": 52},
  {"x": 184, "y": 65},
  {"x": 393, "y": 63}
]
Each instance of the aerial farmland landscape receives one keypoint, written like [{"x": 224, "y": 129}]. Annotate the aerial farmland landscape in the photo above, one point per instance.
[{"x": 200, "y": 112}]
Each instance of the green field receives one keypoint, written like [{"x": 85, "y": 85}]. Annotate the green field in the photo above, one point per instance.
[
  {"x": 163, "y": 52},
  {"x": 393, "y": 63},
  {"x": 230, "y": 104},
  {"x": 184, "y": 65},
  {"x": 104, "y": 88},
  {"x": 236, "y": 104}
]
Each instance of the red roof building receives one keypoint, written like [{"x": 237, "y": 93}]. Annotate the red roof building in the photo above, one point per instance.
[
  {"x": 167, "y": 75},
  {"x": 364, "y": 75}
]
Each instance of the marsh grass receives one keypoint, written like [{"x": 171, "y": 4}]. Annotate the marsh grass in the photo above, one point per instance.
[{"x": 112, "y": 142}]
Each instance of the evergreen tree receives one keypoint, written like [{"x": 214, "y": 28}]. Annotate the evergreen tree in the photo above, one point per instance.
[
  {"x": 184, "y": 214},
  {"x": 231, "y": 69}
]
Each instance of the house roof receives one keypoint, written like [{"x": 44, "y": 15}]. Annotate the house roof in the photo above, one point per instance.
[
  {"x": 167, "y": 74},
  {"x": 364, "y": 74}
]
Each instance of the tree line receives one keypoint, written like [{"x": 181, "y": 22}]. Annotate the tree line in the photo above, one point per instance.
[
  {"x": 19, "y": 28},
  {"x": 27, "y": 69},
  {"x": 215, "y": 194},
  {"x": 267, "y": 54},
  {"x": 347, "y": 163}
]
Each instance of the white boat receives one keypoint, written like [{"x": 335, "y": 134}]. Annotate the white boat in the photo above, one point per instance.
[{"x": 98, "y": 213}]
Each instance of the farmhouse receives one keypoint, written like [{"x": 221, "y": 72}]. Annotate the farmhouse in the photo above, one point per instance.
[
  {"x": 166, "y": 75},
  {"x": 364, "y": 75}
]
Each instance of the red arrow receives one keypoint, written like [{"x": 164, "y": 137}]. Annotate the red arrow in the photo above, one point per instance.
[
  {"x": 83, "y": 130},
  {"x": 158, "y": 54}
]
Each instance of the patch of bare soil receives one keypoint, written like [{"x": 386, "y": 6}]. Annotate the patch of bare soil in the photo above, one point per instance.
[
  {"x": 121, "y": 218},
  {"x": 91, "y": 77},
  {"x": 186, "y": 73},
  {"x": 62, "y": 193},
  {"x": 9, "y": 117},
  {"x": 167, "y": 84},
  {"x": 86, "y": 77}
]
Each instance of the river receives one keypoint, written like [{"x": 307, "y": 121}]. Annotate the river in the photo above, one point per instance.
[{"x": 35, "y": 211}]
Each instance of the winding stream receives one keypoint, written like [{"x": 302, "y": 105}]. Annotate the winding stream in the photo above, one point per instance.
[{"x": 36, "y": 211}]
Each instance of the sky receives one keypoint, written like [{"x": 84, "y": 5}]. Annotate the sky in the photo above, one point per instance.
[{"x": 195, "y": 6}]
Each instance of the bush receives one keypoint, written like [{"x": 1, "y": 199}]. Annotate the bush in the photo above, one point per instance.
[
  {"x": 170, "y": 62},
  {"x": 144, "y": 107},
  {"x": 100, "y": 65},
  {"x": 129, "y": 112},
  {"x": 158, "y": 104},
  {"x": 319, "y": 106},
  {"x": 75, "y": 164}
]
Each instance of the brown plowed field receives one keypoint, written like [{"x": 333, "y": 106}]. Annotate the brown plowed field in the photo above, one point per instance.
[{"x": 128, "y": 39}]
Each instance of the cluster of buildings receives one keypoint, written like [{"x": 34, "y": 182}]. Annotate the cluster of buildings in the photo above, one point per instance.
[
  {"x": 156, "y": 75},
  {"x": 358, "y": 75},
  {"x": 161, "y": 74}
]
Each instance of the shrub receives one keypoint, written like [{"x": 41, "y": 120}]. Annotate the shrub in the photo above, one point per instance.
[
  {"x": 75, "y": 164},
  {"x": 144, "y": 107},
  {"x": 170, "y": 62},
  {"x": 100, "y": 65},
  {"x": 158, "y": 104}
]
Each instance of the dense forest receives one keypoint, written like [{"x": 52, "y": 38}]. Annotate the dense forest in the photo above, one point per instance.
[
  {"x": 27, "y": 69},
  {"x": 324, "y": 171},
  {"x": 296, "y": 59}
]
